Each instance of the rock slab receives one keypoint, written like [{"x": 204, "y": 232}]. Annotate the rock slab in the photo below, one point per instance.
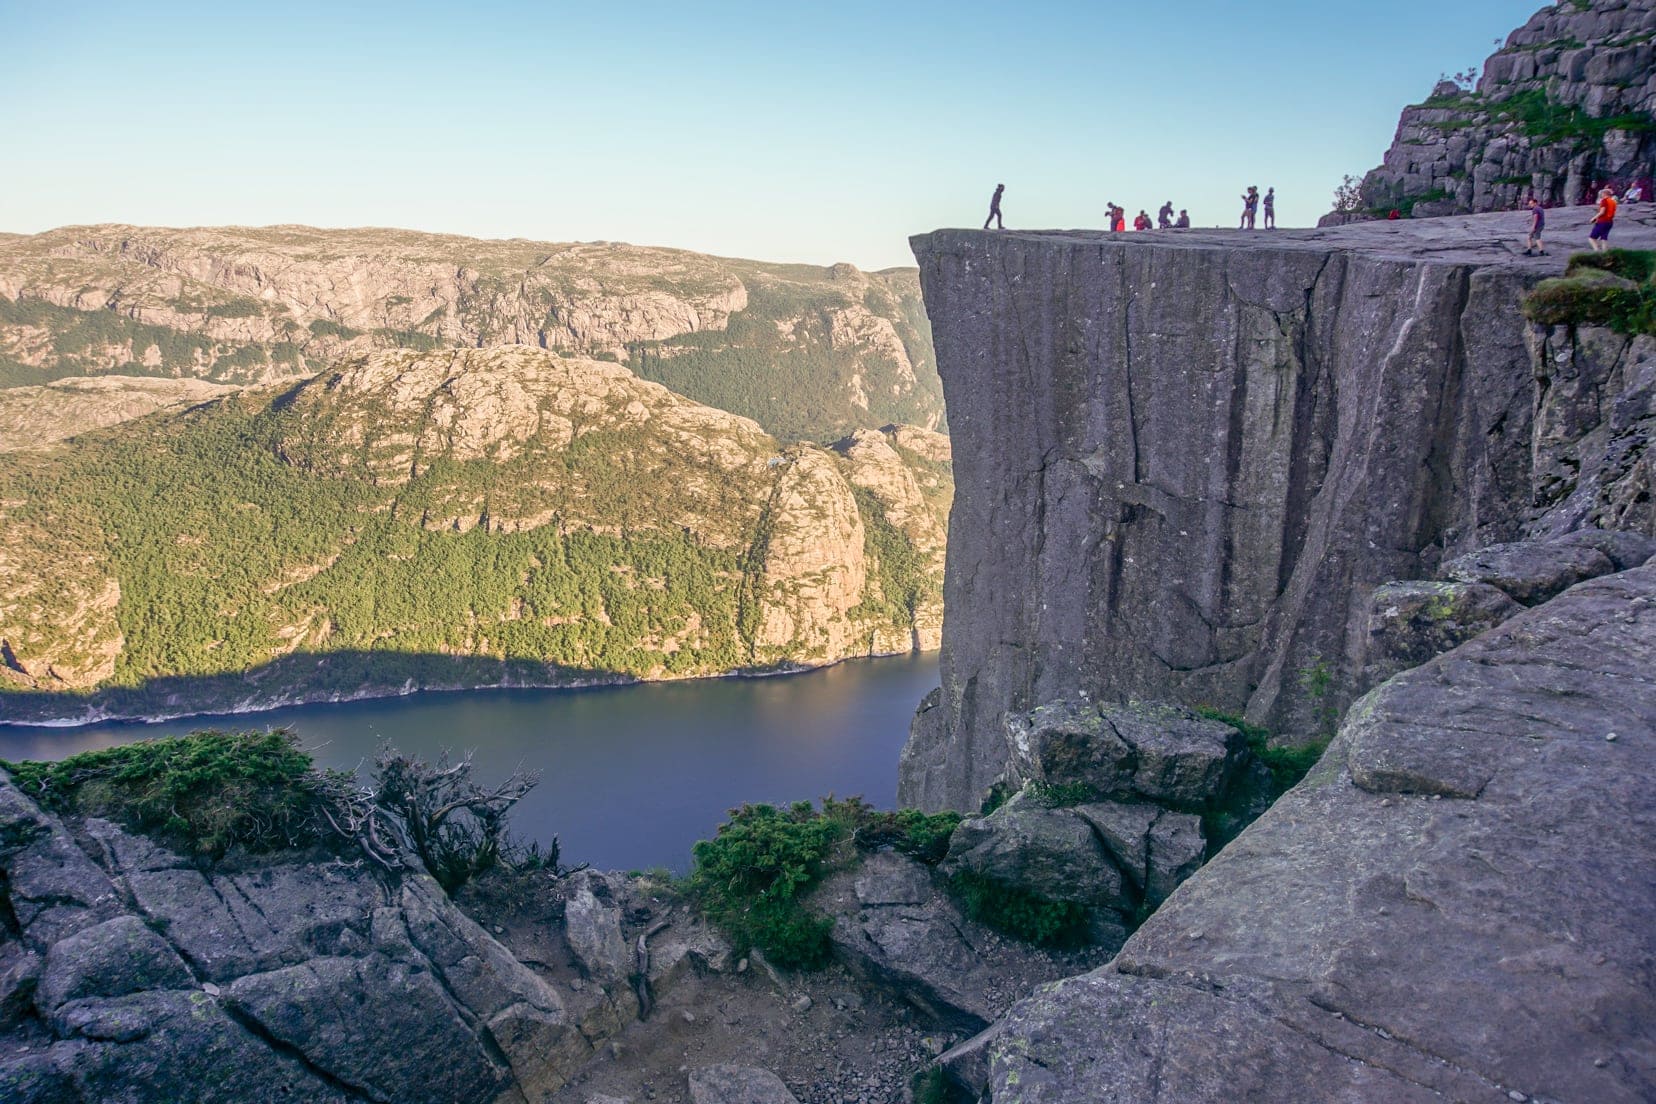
[{"x": 1455, "y": 904}]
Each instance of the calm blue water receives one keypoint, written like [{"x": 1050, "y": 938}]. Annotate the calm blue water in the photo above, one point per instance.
[{"x": 631, "y": 776}]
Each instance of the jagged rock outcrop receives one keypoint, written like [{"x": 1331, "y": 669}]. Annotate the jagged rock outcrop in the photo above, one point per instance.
[
  {"x": 134, "y": 973},
  {"x": 1454, "y": 904},
  {"x": 1134, "y": 782},
  {"x": 1568, "y": 104},
  {"x": 1416, "y": 621},
  {"x": 1183, "y": 463},
  {"x": 833, "y": 348},
  {"x": 898, "y": 928},
  {"x": 1594, "y": 452},
  {"x": 642, "y": 535}
]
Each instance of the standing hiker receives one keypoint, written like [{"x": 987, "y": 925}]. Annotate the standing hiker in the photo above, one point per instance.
[
  {"x": 1270, "y": 208},
  {"x": 994, "y": 209},
  {"x": 1250, "y": 207},
  {"x": 1538, "y": 223},
  {"x": 1604, "y": 219}
]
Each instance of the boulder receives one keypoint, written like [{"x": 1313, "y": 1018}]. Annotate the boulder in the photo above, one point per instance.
[
  {"x": 593, "y": 928},
  {"x": 1146, "y": 750},
  {"x": 1412, "y": 622},
  {"x": 157, "y": 978},
  {"x": 403, "y": 1040},
  {"x": 1051, "y": 853},
  {"x": 1624, "y": 550},
  {"x": 1177, "y": 849},
  {"x": 117, "y": 957},
  {"x": 1530, "y": 572},
  {"x": 165, "y": 1045},
  {"x": 19, "y": 974},
  {"x": 738, "y": 1085},
  {"x": 1124, "y": 830},
  {"x": 897, "y": 928}
]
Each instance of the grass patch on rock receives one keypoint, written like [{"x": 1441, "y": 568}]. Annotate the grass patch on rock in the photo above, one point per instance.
[
  {"x": 204, "y": 793},
  {"x": 1615, "y": 289},
  {"x": 1019, "y": 913}
]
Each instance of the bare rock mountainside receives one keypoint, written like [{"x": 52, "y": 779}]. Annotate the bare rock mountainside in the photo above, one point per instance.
[
  {"x": 1184, "y": 463},
  {"x": 452, "y": 518},
  {"x": 1568, "y": 104},
  {"x": 805, "y": 351}
]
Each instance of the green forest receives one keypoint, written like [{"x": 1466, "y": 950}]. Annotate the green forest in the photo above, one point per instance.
[{"x": 237, "y": 550}]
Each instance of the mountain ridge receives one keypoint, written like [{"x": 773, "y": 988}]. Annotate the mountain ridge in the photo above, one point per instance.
[{"x": 816, "y": 352}]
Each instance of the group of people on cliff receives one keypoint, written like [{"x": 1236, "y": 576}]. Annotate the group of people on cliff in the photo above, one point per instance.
[
  {"x": 1117, "y": 215},
  {"x": 1252, "y": 201},
  {"x": 1598, "y": 233}
]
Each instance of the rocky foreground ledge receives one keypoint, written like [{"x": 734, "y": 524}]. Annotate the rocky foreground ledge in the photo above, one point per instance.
[{"x": 1455, "y": 905}]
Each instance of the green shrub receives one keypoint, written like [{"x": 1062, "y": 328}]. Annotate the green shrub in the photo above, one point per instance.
[
  {"x": 1638, "y": 265},
  {"x": 922, "y": 836},
  {"x": 1020, "y": 914},
  {"x": 1616, "y": 289},
  {"x": 750, "y": 877},
  {"x": 1287, "y": 764},
  {"x": 932, "y": 1086},
  {"x": 1062, "y": 795},
  {"x": 205, "y": 792}
]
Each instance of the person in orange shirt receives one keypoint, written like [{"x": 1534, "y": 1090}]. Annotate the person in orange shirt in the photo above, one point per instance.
[{"x": 1603, "y": 219}]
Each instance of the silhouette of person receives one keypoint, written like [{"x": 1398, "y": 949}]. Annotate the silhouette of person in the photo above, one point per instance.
[
  {"x": 1164, "y": 217},
  {"x": 1270, "y": 208},
  {"x": 1183, "y": 222},
  {"x": 994, "y": 209},
  {"x": 1250, "y": 207}
]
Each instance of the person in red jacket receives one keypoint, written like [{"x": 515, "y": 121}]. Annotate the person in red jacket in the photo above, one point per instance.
[{"x": 1603, "y": 220}]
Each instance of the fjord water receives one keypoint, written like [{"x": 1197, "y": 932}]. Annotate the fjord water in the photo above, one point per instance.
[{"x": 632, "y": 775}]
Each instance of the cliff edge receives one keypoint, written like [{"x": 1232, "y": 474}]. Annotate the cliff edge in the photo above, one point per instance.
[{"x": 1184, "y": 460}]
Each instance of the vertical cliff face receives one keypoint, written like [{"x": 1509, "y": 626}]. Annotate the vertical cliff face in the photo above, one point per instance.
[{"x": 1183, "y": 461}]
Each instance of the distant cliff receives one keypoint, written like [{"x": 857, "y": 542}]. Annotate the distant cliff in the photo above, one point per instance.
[
  {"x": 1184, "y": 461},
  {"x": 450, "y": 519},
  {"x": 1567, "y": 104},
  {"x": 805, "y": 351}
]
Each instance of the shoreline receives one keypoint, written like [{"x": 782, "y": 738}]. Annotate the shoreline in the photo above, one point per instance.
[{"x": 410, "y": 688}]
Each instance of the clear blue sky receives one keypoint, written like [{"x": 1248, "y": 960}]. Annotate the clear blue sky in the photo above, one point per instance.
[{"x": 785, "y": 132}]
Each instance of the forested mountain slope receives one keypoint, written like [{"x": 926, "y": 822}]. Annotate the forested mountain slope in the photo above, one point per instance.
[{"x": 453, "y": 517}]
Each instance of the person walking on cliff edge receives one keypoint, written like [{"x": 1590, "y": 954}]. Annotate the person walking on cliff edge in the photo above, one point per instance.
[
  {"x": 1270, "y": 208},
  {"x": 994, "y": 209},
  {"x": 1538, "y": 223},
  {"x": 1604, "y": 219}
]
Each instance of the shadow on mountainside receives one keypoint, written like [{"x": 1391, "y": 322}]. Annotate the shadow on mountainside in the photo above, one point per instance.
[{"x": 296, "y": 679}]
